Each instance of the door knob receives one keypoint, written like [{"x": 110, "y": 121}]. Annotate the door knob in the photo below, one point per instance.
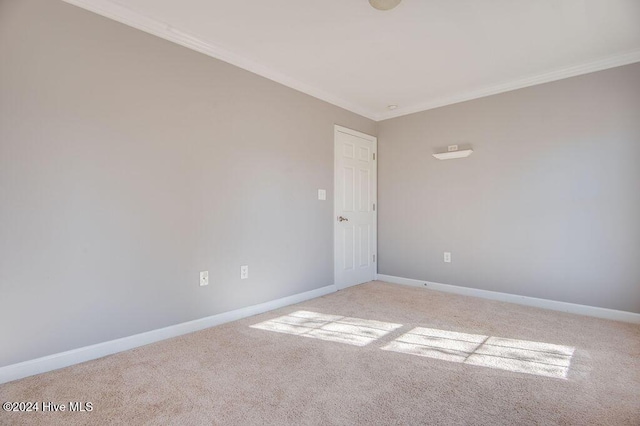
[{"x": 342, "y": 219}]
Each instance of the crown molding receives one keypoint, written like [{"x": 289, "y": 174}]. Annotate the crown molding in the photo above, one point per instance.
[
  {"x": 124, "y": 15},
  {"x": 547, "y": 77}
]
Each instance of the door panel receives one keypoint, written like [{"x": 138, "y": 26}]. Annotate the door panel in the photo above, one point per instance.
[
  {"x": 348, "y": 239},
  {"x": 365, "y": 188},
  {"x": 349, "y": 183},
  {"x": 365, "y": 246},
  {"x": 354, "y": 199}
]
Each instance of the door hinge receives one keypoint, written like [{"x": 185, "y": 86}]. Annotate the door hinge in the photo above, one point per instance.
[
  {"x": 374, "y": 155},
  {"x": 374, "y": 207},
  {"x": 374, "y": 257}
]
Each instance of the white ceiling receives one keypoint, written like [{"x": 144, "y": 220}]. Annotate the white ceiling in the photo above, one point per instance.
[{"x": 423, "y": 54}]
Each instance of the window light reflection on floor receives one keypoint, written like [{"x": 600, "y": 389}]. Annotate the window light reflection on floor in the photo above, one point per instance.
[
  {"x": 521, "y": 356},
  {"x": 334, "y": 328}
]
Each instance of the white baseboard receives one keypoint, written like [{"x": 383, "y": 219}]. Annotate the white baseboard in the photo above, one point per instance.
[
  {"x": 99, "y": 350},
  {"x": 571, "y": 308}
]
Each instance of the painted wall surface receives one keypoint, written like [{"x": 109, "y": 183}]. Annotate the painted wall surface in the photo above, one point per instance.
[
  {"x": 547, "y": 206},
  {"x": 128, "y": 164}
]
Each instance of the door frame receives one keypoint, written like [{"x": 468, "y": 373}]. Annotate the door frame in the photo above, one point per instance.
[{"x": 374, "y": 196}]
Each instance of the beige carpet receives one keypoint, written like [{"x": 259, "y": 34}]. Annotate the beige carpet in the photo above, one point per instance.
[{"x": 373, "y": 354}]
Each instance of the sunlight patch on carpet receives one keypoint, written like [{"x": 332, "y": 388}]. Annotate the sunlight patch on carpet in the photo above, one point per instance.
[
  {"x": 520, "y": 356},
  {"x": 334, "y": 328}
]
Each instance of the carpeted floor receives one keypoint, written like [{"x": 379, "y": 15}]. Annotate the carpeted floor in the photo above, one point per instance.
[{"x": 373, "y": 354}]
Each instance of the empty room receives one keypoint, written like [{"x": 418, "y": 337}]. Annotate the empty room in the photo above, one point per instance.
[{"x": 337, "y": 212}]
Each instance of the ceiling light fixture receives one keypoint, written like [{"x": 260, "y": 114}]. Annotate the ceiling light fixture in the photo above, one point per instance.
[{"x": 384, "y": 4}]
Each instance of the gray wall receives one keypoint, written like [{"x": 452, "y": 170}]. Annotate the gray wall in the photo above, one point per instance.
[
  {"x": 547, "y": 206},
  {"x": 128, "y": 164}
]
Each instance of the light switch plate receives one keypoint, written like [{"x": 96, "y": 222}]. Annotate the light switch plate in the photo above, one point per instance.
[
  {"x": 204, "y": 278},
  {"x": 322, "y": 194}
]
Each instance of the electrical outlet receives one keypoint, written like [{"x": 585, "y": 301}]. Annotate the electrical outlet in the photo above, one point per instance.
[
  {"x": 244, "y": 272},
  {"x": 204, "y": 278},
  {"x": 447, "y": 257}
]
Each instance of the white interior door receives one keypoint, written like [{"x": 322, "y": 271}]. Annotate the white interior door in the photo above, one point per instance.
[{"x": 355, "y": 192}]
